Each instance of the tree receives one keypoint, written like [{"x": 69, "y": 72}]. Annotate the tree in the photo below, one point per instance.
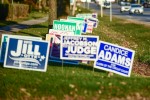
[
  {"x": 63, "y": 8},
  {"x": 52, "y": 12},
  {"x": 4, "y": 1},
  {"x": 58, "y": 9}
]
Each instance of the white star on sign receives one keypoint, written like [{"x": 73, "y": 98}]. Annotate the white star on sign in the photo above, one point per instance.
[{"x": 43, "y": 57}]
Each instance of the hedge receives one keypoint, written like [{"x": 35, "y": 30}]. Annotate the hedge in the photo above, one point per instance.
[
  {"x": 15, "y": 11},
  {"x": 4, "y": 11}
]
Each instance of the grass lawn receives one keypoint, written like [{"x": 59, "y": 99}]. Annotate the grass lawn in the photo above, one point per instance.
[
  {"x": 131, "y": 35},
  {"x": 74, "y": 81},
  {"x": 79, "y": 82}
]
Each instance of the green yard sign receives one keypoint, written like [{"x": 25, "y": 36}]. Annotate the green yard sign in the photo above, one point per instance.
[
  {"x": 81, "y": 21},
  {"x": 67, "y": 26},
  {"x": 76, "y": 18},
  {"x": 84, "y": 15}
]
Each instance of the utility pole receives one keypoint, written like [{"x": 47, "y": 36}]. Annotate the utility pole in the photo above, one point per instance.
[
  {"x": 87, "y": 1},
  {"x": 101, "y": 3},
  {"x": 110, "y": 12},
  {"x": 138, "y": 1},
  {"x": 39, "y": 5},
  {"x": 74, "y": 8}
]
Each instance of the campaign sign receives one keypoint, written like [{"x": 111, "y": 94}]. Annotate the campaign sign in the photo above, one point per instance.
[
  {"x": 3, "y": 47},
  {"x": 83, "y": 0},
  {"x": 89, "y": 27},
  {"x": 80, "y": 23},
  {"x": 54, "y": 38},
  {"x": 88, "y": 0},
  {"x": 26, "y": 54},
  {"x": 59, "y": 32},
  {"x": 56, "y": 34},
  {"x": 78, "y": 47},
  {"x": 94, "y": 15},
  {"x": 67, "y": 26},
  {"x": 79, "y": 20},
  {"x": 76, "y": 18},
  {"x": 4, "y": 43},
  {"x": 87, "y": 15},
  {"x": 94, "y": 21},
  {"x": 71, "y": 2},
  {"x": 114, "y": 58}
]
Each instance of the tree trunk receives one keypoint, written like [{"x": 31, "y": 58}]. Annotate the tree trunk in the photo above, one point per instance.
[
  {"x": 74, "y": 8},
  {"x": 63, "y": 8},
  {"x": 52, "y": 12},
  {"x": 68, "y": 7}
]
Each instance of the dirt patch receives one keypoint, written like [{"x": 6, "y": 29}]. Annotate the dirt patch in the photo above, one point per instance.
[{"x": 141, "y": 69}]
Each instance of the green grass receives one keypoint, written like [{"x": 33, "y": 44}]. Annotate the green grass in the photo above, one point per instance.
[
  {"x": 130, "y": 35},
  {"x": 79, "y": 81},
  {"x": 4, "y": 23},
  {"x": 35, "y": 15},
  {"x": 73, "y": 80},
  {"x": 32, "y": 15},
  {"x": 39, "y": 30}
]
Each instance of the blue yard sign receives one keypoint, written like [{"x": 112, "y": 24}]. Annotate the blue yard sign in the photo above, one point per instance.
[
  {"x": 114, "y": 58},
  {"x": 26, "y": 54},
  {"x": 4, "y": 40},
  {"x": 94, "y": 21},
  {"x": 54, "y": 53},
  {"x": 3, "y": 47},
  {"x": 78, "y": 47}
]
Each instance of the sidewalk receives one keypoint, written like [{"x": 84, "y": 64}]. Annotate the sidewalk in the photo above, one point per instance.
[{"x": 22, "y": 25}]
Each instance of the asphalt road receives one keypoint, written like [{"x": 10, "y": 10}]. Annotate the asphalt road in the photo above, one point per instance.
[{"x": 145, "y": 18}]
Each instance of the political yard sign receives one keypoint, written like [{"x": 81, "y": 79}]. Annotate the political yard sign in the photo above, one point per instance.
[
  {"x": 82, "y": 24},
  {"x": 4, "y": 40},
  {"x": 3, "y": 47},
  {"x": 54, "y": 38},
  {"x": 26, "y": 54},
  {"x": 71, "y": 2},
  {"x": 114, "y": 58},
  {"x": 80, "y": 20},
  {"x": 79, "y": 47},
  {"x": 54, "y": 53},
  {"x": 67, "y": 26},
  {"x": 87, "y": 15},
  {"x": 89, "y": 28},
  {"x": 76, "y": 18},
  {"x": 94, "y": 21}
]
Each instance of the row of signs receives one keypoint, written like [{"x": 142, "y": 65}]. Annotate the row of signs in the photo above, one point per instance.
[
  {"x": 106, "y": 56},
  {"x": 66, "y": 42},
  {"x": 70, "y": 26},
  {"x": 23, "y": 52},
  {"x": 77, "y": 25},
  {"x": 78, "y": 46}
]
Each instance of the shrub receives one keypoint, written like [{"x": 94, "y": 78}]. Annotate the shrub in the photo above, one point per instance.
[
  {"x": 3, "y": 11},
  {"x": 9, "y": 11},
  {"x": 21, "y": 10}
]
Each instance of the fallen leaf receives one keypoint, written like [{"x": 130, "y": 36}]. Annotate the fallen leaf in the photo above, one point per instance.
[{"x": 71, "y": 85}]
